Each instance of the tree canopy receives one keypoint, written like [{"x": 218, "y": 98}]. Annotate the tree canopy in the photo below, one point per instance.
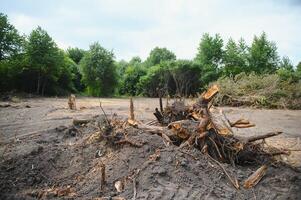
[
  {"x": 158, "y": 55},
  {"x": 99, "y": 71},
  {"x": 10, "y": 40},
  {"x": 34, "y": 63}
]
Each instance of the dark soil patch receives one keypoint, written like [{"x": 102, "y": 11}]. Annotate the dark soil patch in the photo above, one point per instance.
[{"x": 70, "y": 158}]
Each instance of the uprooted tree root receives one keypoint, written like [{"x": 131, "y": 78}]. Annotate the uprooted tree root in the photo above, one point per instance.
[
  {"x": 199, "y": 126},
  {"x": 206, "y": 128},
  {"x": 195, "y": 155}
]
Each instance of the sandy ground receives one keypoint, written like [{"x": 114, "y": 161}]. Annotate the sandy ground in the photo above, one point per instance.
[
  {"x": 38, "y": 154},
  {"x": 33, "y": 116}
]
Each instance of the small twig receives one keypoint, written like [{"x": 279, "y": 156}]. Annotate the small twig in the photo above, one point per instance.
[
  {"x": 219, "y": 153},
  {"x": 105, "y": 114},
  {"x": 260, "y": 137},
  {"x": 234, "y": 181},
  {"x": 102, "y": 175}
]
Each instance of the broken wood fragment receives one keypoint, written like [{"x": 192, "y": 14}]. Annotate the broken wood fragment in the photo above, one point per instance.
[
  {"x": 242, "y": 123},
  {"x": 252, "y": 180},
  {"x": 210, "y": 93},
  {"x": 119, "y": 185},
  {"x": 102, "y": 175},
  {"x": 71, "y": 102},
  {"x": 132, "y": 116},
  {"x": 77, "y": 122}
]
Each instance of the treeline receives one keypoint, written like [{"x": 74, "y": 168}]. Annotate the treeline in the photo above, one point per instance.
[{"x": 35, "y": 64}]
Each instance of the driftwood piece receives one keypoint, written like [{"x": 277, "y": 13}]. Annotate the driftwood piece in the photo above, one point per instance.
[{"x": 252, "y": 180}]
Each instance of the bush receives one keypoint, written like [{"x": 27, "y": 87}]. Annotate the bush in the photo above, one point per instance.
[{"x": 263, "y": 91}]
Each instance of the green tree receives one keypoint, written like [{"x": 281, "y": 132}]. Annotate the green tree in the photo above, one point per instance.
[
  {"x": 99, "y": 71},
  {"x": 286, "y": 70},
  {"x": 11, "y": 42},
  {"x": 157, "y": 78},
  {"x": 43, "y": 57},
  {"x": 158, "y": 55},
  {"x": 136, "y": 60},
  {"x": 235, "y": 58},
  {"x": 263, "y": 56},
  {"x": 185, "y": 77},
  {"x": 130, "y": 75},
  {"x": 75, "y": 54},
  {"x": 131, "y": 79},
  {"x": 209, "y": 57}
]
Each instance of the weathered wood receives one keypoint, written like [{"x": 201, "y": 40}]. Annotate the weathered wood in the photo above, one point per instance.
[
  {"x": 260, "y": 137},
  {"x": 210, "y": 93},
  {"x": 132, "y": 116},
  {"x": 252, "y": 180},
  {"x": 71, "y": 102},
  {"x": 219, "y": 122}
]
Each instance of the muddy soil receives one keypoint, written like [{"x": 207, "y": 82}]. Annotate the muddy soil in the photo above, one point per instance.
[{"x": 41, "y": 152}]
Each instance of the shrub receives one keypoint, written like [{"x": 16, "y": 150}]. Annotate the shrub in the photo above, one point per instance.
[{"x": 268, "y": 91}]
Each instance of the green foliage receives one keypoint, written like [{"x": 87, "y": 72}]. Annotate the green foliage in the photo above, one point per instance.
[
  {"x": 185, "y": 77},
  {"x": 266, "y": 90},
  {"x": 11, "y": 43},
  {"x": 155, "y": 79},
  {"x": 99, "y": 71},
  {"x": 158, "y": 55},
  {"x": 179, "y": 77},
  {"x": 75, "y": 54},
  {"x": 286, "y": 71},
  {"x": 44, "y": 58},
  {"x": 209, "y": 56},
  {"x": 131, "y": 77},
  {"x": 263, "y": 56},
  {"x": 235, "y": 58}
]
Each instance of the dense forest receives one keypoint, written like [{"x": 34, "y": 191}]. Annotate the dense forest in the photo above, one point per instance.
[{"x": 35, "y": 64}]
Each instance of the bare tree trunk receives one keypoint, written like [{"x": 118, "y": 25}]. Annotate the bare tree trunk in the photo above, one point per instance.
[
  {"x": 39, "y": 83},
  {"x": 44, "y": 85}
]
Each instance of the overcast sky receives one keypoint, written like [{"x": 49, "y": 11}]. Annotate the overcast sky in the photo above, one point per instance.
[{"x": 133, "y": 27}]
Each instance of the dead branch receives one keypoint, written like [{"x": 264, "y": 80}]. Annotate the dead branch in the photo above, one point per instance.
[
  {"x": 260, "y": 137},
  {"x": 106, "y": 117}
]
